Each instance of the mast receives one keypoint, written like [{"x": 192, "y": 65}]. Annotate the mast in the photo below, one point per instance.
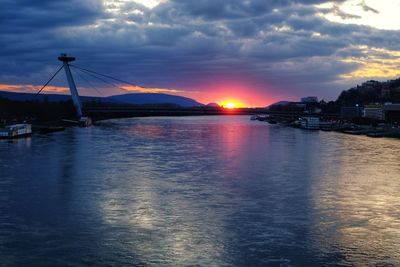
[{"x": 72, "y": 87}]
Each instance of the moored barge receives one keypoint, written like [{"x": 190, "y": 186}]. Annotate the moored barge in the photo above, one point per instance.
[{"x": 16, "y": 131}]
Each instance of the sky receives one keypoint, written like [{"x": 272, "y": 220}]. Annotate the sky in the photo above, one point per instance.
[{"x": 251, "y": 52}]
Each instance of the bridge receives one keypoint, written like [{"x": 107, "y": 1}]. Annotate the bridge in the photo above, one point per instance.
[{"x": 85, "y": 113}]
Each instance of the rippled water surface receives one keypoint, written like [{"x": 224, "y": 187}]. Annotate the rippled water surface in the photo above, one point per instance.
[{"x": 207, "y": 191}]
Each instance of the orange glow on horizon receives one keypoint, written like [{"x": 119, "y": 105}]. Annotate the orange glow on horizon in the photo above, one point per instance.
[
  {"x": 227, "y": 96},
  {"x": 241, "y": 92},
  {"x": 29, "y": 88},
  {"x": 231, "y": 104}
]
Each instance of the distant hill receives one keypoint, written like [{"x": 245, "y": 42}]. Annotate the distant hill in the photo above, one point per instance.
[
  {"x": 280, "y": 103},
  {"x": 28, "y": 97},
  {"x": 133, "y": 99},
  {"x": 371, "y": 92},
  {"x": 213, "y": 105},
  {"x": 153, "y": 98}
]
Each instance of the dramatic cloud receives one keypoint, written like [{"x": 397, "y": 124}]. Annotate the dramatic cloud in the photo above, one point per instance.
[{"x": 256, "y": 50}]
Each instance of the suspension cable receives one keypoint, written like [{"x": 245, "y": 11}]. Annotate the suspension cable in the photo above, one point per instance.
[
  {"x": 101, "y": 79},
  {"x": 105, "y": 81},
  {"x": 49, "y": 81},
  {"x": 108, "y": 76},
  {"x": 89, "y": 83}
]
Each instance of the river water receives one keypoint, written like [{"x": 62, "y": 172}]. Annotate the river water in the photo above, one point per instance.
[{"x": 199, "y": 191}]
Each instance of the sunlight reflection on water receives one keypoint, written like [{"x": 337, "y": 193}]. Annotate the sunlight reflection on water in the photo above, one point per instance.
[{"x": 199, "y": 190}]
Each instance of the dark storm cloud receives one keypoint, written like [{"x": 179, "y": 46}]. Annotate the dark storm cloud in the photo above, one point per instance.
[
  {"x": 24, "y": 15},
  {"x": 231, "y": 9},
  {"x": 180, "y": 44}
]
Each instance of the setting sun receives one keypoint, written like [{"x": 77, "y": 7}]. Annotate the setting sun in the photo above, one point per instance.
[{"x": 230, "y": 105}]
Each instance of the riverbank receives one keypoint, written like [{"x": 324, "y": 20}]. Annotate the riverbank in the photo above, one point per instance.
[{"x": 374, "y": 131}]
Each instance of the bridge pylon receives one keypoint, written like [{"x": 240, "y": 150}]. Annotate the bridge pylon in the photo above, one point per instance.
[{"x": 65, "y": 59}]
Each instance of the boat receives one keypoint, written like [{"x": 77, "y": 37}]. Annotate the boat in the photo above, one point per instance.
[
  {"x": 253, "y": 117},
  {"x": 295, "y": 124},
  {"x": 16, "y": 131},
  {"x": 326, "y": 126},
  {"x": 262, "y": 117},
  {"x": 358, "y": 131},
  {"x": 388, "y": 133},
  {"x": 310, "y": 123},
  {"x": 325, "y": 129},
  {"x": 377, "y": 134}
]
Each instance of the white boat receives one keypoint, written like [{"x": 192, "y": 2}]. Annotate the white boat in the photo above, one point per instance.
[
  {"x": 16, "y": 130},
  {"x": 310, "y": 123}
]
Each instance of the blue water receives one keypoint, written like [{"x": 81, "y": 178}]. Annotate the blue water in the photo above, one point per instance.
[{"x": 199, "y": 191}]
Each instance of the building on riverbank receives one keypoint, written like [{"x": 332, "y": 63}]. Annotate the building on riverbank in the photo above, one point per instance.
[
  {"x": 374, "y": 111},
  {"x": 392, "y": 112},
  {"x": 309, "y": 99}
]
